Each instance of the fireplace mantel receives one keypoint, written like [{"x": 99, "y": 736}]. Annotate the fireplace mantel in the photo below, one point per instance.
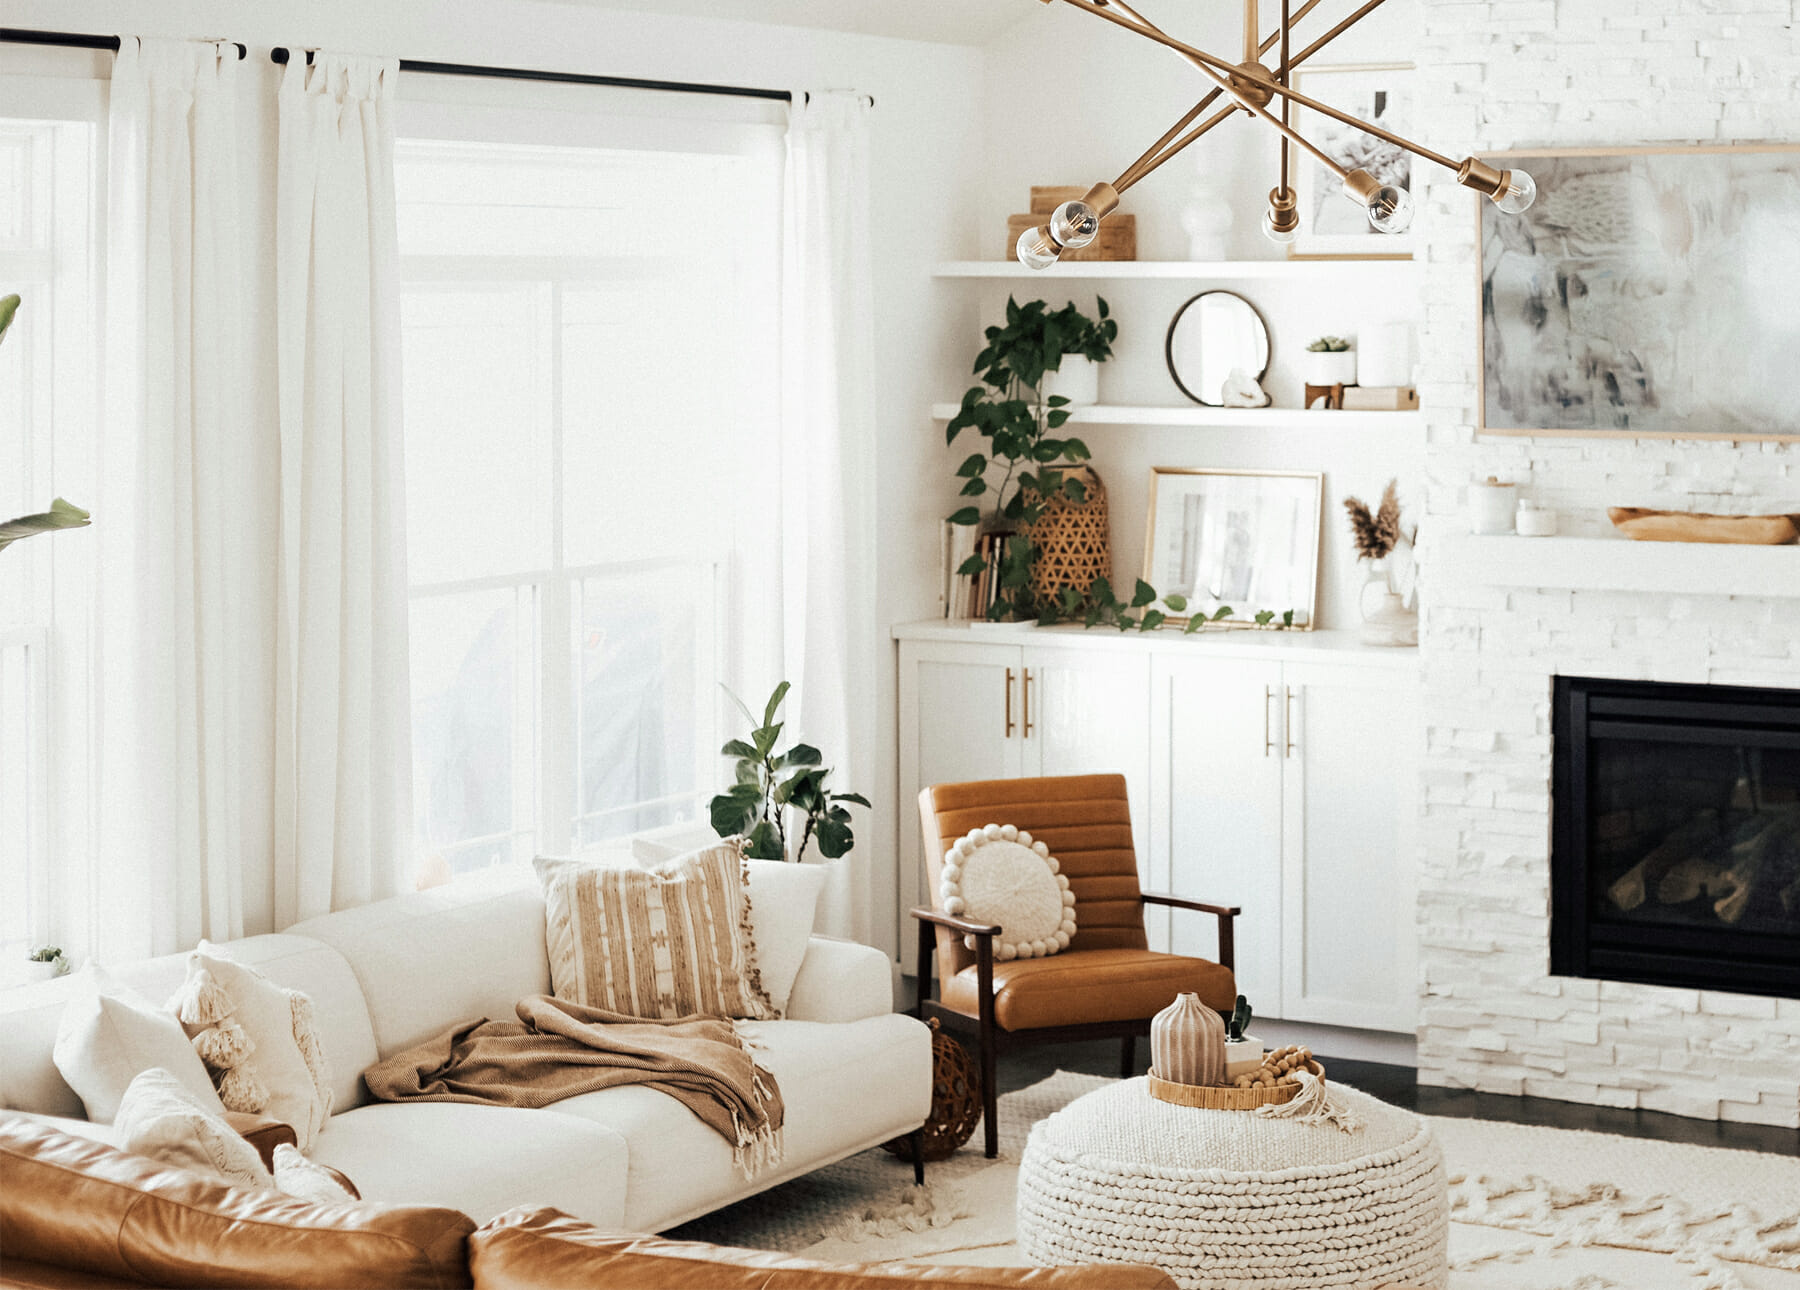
[{"x": 1616, "y": 564}]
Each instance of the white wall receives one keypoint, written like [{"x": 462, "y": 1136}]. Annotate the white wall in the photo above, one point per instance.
[
  {"x": 925, "y": 140},
  {"x": 1071, "y": 99},
  {"x": 1525, "y": 73}
]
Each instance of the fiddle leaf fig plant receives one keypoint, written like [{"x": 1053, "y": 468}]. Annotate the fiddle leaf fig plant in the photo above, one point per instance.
[
  {"x": 770, "y": 784},
  {"x": 62, "y": 514},
  {"x": 1018, "y": 422}
]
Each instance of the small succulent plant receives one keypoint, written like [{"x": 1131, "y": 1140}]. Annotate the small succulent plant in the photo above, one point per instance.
[{"x": 1329, "y": 345}]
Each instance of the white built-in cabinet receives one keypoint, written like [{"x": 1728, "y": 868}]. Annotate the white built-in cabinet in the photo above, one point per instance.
[{"x": 1274, "y": 772}]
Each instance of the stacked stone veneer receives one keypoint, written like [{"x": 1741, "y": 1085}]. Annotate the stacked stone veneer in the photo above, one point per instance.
[{"x": 1538, "y": 73}]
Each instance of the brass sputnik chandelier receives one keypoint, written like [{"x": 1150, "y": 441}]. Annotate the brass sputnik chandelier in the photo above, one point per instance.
[{"x": 1252, "y": 87}]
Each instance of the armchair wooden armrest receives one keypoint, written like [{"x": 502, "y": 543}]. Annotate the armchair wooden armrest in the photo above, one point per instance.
[
  {"x": 1224, "y": 913},
  {"x": 926, "y": 914},
  {"x": 984, "y": 933}
]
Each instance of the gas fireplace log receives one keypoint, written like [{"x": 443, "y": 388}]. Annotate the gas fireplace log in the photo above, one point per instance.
[
  {"x": 1748, "y": 858},
  {"x": 1687, "y": 842}
]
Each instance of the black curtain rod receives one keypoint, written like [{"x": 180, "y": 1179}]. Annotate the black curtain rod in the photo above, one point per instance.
[
  {"x": 280, "y": 55},
  {"x": 72, "y": 40}
]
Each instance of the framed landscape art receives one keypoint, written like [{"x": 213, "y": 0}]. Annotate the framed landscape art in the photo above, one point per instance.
[
  {"x": 1649, "y": 292},
  {"x": 1331, "y": 225}
]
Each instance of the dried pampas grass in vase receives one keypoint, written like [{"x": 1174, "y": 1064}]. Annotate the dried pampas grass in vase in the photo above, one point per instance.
[{"x": 1386, "y": 619}]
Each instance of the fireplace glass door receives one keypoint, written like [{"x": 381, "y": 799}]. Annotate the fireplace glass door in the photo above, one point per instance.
[{"x": 1676, "y": 847}]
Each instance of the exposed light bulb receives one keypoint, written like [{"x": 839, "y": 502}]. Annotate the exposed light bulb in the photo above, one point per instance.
[
  {"x": 1518, "y": 194},
  {"x": 1074, "y": 225},
  {"x": 1276, "y": 234},
  {"x": 1037, "y": 249},
  {"x": 1390, "y": 209}
]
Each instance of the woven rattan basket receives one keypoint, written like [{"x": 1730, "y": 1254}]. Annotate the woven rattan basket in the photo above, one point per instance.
[
  {"x": 1223, "y": 1097},
  {"x": 1073, "y": 539}
]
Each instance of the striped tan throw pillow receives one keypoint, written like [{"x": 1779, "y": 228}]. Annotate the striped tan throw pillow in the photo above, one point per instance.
[{"x": 673, "y": 941}]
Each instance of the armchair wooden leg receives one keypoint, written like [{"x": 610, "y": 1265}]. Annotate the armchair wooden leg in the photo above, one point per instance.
[
  {"x": 990, "y": 1093},
  {"x": 1128, "y": 1057},
  {"x": 918, "y": 1149}
]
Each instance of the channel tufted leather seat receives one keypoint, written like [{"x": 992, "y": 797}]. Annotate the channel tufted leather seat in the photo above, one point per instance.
[{"x": 1109, "y": 982}]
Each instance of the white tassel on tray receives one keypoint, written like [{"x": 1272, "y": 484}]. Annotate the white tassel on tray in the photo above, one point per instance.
[{"x": 1313, "y": 1105}]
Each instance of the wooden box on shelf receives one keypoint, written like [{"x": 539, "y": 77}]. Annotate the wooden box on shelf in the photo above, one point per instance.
[{"x": 1118, "y": 231}]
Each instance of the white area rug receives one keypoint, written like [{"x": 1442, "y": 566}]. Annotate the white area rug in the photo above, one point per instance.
[{"x": 1532, "y": 1208}]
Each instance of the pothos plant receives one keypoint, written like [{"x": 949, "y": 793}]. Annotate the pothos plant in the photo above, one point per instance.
[
  {"x": 1018, "y": 421},
  {"x": 1101, "y": 607},
  {"x": 769, "y": 785},
  {"x": 61, "y": 515}
]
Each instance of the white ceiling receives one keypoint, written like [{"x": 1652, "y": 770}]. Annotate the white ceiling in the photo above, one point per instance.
[{"x": 956, "y": 22}]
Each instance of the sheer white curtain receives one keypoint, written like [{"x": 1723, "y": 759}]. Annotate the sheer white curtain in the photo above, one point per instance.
[
  {"x": 181, "y": 762},
  {"x": 830, "y": 649},
  {"x": 343, "y": 747}
]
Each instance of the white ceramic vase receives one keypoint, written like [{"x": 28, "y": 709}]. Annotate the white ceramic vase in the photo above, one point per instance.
[
  {"x": 1328, "y": 367},
  {"x": 1385, "y": 618},
  {"x": 1077, "y": 380},
  {"x": 1187, "y": 1043}
]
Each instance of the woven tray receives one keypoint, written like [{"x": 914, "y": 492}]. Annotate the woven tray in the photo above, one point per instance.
[{"x": 1220, "y": 1097}]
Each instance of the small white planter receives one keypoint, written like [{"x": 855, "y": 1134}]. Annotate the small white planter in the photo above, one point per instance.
[
  {"x": 1077, "y": 380},
  {"x": 1328, "y": 367},
  {"x": 1242, "y": 1056},
  {"x": 31, "y": 973}
]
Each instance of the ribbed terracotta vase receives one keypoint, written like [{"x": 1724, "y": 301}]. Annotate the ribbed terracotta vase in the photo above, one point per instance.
[{"x": 1187, "y": 1043}]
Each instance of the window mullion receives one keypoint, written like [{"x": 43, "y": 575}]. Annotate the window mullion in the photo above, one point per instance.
[{"x": 557, "y": 716}]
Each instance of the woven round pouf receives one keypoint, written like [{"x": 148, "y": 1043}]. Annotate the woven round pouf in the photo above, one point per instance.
[{"x": 1234, "y": 1199}]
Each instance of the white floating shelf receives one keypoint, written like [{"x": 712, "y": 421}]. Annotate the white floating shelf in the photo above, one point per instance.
[
  {"x": 1190, "y": 270},
  {"x": 1193, "y": 414},
  {"x": 1617, "y": 564}
]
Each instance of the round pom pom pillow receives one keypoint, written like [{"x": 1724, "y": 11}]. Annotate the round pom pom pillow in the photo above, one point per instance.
[{"x": 997, "y": 874}]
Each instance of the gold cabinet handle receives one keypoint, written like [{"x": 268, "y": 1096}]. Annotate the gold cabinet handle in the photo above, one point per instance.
[
  {"x": 1009, "y": 716},
  {"x": 1025, "y": 689},
  {"x": 1268, "y": 734},
  {"x": 1288, "y": 719}
]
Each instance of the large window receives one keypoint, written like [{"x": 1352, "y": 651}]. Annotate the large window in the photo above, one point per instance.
[
  {"x": 49, "y": 254},
  {"x": 588, "y": 339}
]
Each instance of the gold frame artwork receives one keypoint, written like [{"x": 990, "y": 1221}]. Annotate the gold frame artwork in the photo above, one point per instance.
[
  {"x": 1481, "y": 272},
  {"x": 1303, "y": 174},
  {"x": 1311, "y": 608}
]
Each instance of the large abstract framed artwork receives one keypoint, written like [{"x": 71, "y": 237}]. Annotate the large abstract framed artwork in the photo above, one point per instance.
[
  {"x": 1330, "y": 227},
  {"x": 1244, "y": 538},
  {"x": 1648, "y": 292}
]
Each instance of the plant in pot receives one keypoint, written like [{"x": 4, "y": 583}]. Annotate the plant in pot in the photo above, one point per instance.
[
  {"x": 1329, "y": 360},
  {"x": 1017, "y": 417},
  {"x": 44, "y": 963},
  {"x": 773, "y": 789},
  {"x": 62, "y": 514}
]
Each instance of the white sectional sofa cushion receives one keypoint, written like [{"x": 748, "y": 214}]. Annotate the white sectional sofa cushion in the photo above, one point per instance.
[{"x": 388, "y": 975}]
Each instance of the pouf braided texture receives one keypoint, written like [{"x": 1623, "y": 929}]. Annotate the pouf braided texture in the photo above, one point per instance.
[{"x": 1229, "y": 1200}]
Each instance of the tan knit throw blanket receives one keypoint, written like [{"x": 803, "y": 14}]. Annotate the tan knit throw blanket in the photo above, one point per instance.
[{"x": 557, "y": 1050}]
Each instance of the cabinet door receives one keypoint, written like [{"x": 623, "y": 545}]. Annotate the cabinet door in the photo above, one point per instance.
[
  {"x": 1087, "y": 712},
  {"x": 960, "y": 718},
  {"x": 1348, "y": 837},
  {"x": 1219, "y": 819}
]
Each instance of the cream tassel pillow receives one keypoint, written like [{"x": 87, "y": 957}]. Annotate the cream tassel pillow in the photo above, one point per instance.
[{"x": 998, "y": 874}]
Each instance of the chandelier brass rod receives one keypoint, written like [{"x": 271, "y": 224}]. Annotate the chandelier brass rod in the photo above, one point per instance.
[
  {"x": 1131, "y": 175},
  {"x": 1269, "y": 40},
  {"x": 1141, "y": 172},
  {"x": 1336, "y": 31},
  {"x": 1208, "y": 63},
  {"x": 1283, "y": 75},
  {"x": 1252, "y": 28},
  {"x": 1257, "y": 110}
]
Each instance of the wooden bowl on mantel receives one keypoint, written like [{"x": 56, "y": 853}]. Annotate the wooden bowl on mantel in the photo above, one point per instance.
[{"x": 1681, "y": 526}]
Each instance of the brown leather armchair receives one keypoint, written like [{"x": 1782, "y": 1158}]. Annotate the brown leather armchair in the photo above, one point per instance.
[{"x": 1108, "y": 983}]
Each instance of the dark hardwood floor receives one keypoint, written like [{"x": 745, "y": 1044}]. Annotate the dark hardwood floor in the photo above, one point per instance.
[{"x": 1396, "y": 1084}]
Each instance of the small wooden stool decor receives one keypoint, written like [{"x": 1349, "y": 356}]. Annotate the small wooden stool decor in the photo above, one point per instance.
[
  {"x": 955, "y": 1101},
  {"x": 1332, "y": 394}
]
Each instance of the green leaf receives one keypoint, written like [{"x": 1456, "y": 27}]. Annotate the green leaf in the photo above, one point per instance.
[
  {"x": 1264, "y": 617},
  {"x": 1144, "y": 595},
  {"x": 974, "y": 488},
  {"x": 1287, "y": 618},
  {"x": 9, "y": 306},
  {"x": 764, "y": 842},
  {"x": 774, "y": 704},
  {"x": 971, "y": 566},
  {"x": 738, "y": 748},
  {"x": 1076, "y": 450},
  {"x": 857, "y": 798},
  {"x": 1223, "y": 612},
  {"x": 764, "y": 738},
  {"x": 1054, "y": 401},
  {"x": 1074, "y": 490},
  {"x": 1153, "y": 618},
  {"x": 835, "y": 838},
  {"x": 1056, "y": 420},
  {"x": 1194, "y": 624},
  {"x": 972, "y": 466},
  {"x": 801, "y": 755},
  {"x": 1176, "y": 602},
  {"x": 61, "y": 515},
  {"x": 967, "y": 515},
  {"x": 732, "y": 811},
  {"x": 1101, "y": 591}
]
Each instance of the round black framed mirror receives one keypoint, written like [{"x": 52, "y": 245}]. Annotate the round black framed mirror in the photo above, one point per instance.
[{"x": 1210, "y": 335}]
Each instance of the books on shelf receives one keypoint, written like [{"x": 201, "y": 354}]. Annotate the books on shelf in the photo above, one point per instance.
[{"x": 964, "y": 595}]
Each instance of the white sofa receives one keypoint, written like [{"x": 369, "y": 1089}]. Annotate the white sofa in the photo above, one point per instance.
[{"x": 852, "y": 1072}]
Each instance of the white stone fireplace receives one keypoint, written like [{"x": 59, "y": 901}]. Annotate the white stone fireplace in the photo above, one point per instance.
[{"x": 1503, "y": 616}]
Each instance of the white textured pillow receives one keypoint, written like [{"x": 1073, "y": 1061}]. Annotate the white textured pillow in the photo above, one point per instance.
[
  {"x": 307, "y": 1180},
  {"x": 997, "y": 874},
  {"x": 108, "y": 1035},
  {"x": 287, "y": 1056},
  {"x": 160, "y": 1118}
]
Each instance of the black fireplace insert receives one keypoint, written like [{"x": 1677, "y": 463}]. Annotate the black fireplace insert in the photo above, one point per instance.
[{"x": 1675, "y": 844}]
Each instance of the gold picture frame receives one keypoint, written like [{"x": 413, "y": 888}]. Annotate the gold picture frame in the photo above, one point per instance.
[
  {"x": 1244, "y": 538},
  {"x": 1490, "y": 244}
]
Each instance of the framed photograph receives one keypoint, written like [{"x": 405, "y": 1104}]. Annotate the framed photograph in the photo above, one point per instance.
[
  {"x": 1332, "y": 227},
  {"x": 1244, "y": 538},
  {"x": 1647, "y": 292}
]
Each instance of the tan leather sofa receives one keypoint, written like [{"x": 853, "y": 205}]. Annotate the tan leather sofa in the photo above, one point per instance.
[{"x": 76, "y": 1214}]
